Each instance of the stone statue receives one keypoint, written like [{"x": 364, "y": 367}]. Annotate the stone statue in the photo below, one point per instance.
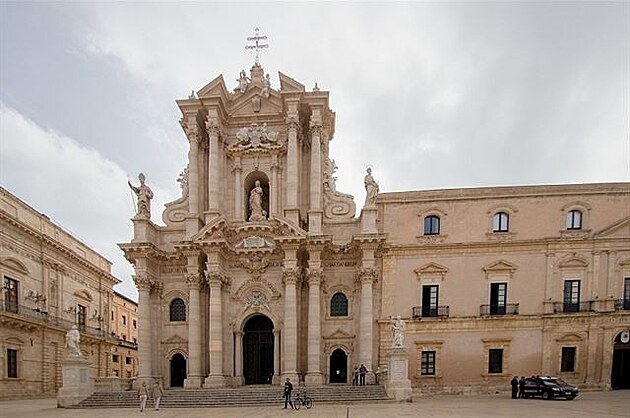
[
  {"x": 255, "y": 203},
  {"x": 242, "y": 81},
  {"x": 371, "y": 188},
  {"x": 72, "y": 342},
  {"x": 144, "y": 194},
  {"x": 398, "y": 336},
  {"x": 266, "y": 86}
]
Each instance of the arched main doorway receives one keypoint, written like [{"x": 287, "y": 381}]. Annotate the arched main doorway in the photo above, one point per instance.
[
  {"x": 178, "y": 370},
  {"x": 338, "y": 366},
  {"x": 258, "y": 350},
  {"x": 620, "y": 376}
]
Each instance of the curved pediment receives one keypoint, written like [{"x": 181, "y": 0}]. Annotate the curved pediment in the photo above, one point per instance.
[{"x": 14, "y": 264}]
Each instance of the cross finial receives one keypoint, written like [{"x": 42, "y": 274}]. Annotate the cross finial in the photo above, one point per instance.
[{"x": 256, "y": 46}]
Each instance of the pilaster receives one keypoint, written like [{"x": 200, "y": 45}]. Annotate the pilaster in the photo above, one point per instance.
[
  {"x": 194, "y": 377},
  {"x": 143, "y": 283},
  {"x": 290, "y": 275},
  {"x": 215, "y": 280},
  {"x": 291, "y": 210},
  {"x": 315, "y": 278},
  {"x": 214, "y": 174}
]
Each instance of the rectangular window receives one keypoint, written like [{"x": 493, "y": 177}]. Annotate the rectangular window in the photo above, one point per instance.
[
  {"x": 127, "y": 360},
  {"x": 429, "y": 300},
  {"x": 115, "y": 358},
  {"x": 568, "y": 359},
  {"x": 124, "y": 320},
  {"x": 626, "y": 294},
  {"x": 10, "y": 294},
  {"x": 81, "y": 317},
  {"x": 571, "y": 296},
  {"x": 427, "y": 363},
  {"x": 432, "y": 225},
  {"x": 500, "y": 222},
  {"x": 495, "y": 360},
  {"x": 135, "y": 324},
  {"x": 112, "y": 315},
  {"x": 498, "y": 296},
  {"x": 12, "y": 363},
  {"x": 574, "y": 219}
]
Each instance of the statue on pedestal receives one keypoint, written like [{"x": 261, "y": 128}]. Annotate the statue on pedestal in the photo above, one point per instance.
[
  {"x": 242, "y": 81},
  {"x": 72, "y": 342},
  {"x": 144, "y": 195},
  {"x": 398, "y": 336},
  {"x": 255, "y": 203},
  {"x": 371, "y": 188}
]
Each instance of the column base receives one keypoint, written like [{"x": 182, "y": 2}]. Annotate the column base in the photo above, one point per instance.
[
  {"x": 234, "y": 381},
  {"x": 313, "y": 379},
  {"x": 214, "y": 381},
  {"x": 77, "y": 383},
  {"x": 193, "y": 225},
  {"x": 193, "y": 382},
  {"x": 293, "y": 215},
  {"x": 398, "y": 385},
  {"x": 315, "y": 222}
]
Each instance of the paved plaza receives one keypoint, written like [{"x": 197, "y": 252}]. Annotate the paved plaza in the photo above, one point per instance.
[{"x": 590, "y": 404}]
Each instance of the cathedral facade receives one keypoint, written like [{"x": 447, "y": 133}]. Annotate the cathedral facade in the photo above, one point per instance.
[{"x": 263, "y": 270}]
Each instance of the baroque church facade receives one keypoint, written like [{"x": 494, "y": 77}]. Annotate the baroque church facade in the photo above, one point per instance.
[{"x": 263, "y": 270}]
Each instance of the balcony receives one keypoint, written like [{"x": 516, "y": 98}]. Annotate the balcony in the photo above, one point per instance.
[
  {"x": 573, "y": 307},
  {"x": 430, "y": 312},
  {"x": 45, "y": 319},
  {"x": 622, "y": 305},
  {"x": 499, "y": 310}
]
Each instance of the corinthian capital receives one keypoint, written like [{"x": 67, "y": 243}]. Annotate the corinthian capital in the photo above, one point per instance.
[
  {"x": 290, "y": 275},
  {"x": 216, "y": 279},
  {"x": 367, "y": 275},
  {"x": 315, "y": 276},
  {"x": 143, "y": 281},
  {"x": 316, "y": 129},
  {"x": 193, "y": 280},
  {"x": 212, "y": 127},
  {"x": 292, "y": 123},
  {"x": 191, "y": 129}
]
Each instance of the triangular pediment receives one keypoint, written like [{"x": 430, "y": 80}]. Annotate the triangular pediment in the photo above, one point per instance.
[
  {"x": 175, "y": 339},
  {"x": 339, "y": 334},
  {"x": 431, "y": 269},
  {"x": 500, "y": 266},
  {"x": 214, "y": 88},
  {"x": 287, "y": 84},
  {"x": 620, "y": 229},
  {"x": 253, "y": 102}
]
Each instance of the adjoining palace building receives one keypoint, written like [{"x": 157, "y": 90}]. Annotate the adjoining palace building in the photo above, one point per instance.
[{"x": 263, "y": 270}]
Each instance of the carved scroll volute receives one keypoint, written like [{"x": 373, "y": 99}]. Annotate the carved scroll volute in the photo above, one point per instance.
[
  {"x": 367, "y": 275},
  {"x": 290, "y": 275}
]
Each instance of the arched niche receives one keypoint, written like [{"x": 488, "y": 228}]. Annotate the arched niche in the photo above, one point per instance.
[{"x": 249, "y": 184}]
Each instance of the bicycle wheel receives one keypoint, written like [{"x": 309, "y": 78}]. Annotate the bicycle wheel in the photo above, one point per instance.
[
  {"x": 308, "y": 402},
  {"x": 296, "y": 404}
]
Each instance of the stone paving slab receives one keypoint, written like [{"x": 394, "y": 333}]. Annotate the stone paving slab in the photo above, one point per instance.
[{"x": 590, "y": 404}]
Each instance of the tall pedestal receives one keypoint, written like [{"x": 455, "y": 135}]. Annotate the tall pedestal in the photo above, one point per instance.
[
  {"x": 368, "y": 220},
  {"x": 398, "y": 385},
  {"x": 77, "y": 384}
]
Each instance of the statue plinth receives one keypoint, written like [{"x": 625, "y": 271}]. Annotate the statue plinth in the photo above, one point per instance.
[
  {"x": 77, "y": 383},
  {"x": 368, "y": 220},
  {"x": 398, "y": 385}
]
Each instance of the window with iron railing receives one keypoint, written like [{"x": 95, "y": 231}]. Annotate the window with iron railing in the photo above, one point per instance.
[{"x": 10, "y": 294}]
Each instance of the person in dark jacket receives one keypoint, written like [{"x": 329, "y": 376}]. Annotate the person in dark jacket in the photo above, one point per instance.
[
  {"x": 514, "y": 383},
  {"x": 288, "y": 388},
  {"x": 362, "y": 372},
  {"x": 521, "y": 387}
]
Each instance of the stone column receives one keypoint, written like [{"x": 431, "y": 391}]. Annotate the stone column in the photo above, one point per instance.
[
  {"x": 238, "y": 190},
  {"x": 290, "y": 274},
  {"x": 212, "y": 126},
  {"x": 192, "y": 132},
  {"x": 143, "y": 283},
  {"x": 315, "y": 206},
  {"x": 238, "y": 356},
  {"x": 194, "y": 376},
  {"x": 274, "y": 186},
  {"x": 549, "y": 301},
  {"x": 291, "y": 211},
  {"x": 367, "y": 276},
  {"x": 216, "y": 377},
  {"x": 315, "y": 277},
  {"x": 276, "y": 357}
]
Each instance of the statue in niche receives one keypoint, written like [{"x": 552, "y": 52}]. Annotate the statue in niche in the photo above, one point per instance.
[
  {"x": 371, "y": 188},
  {"x": 257, "y": 213},
  {"x": 266, "y": 86},
  {"x": 144, "y": 195},
  {"x": 398, "y": 336},
  {"x": 72, "y": 342},
  {"x": 242, "y": 81}
]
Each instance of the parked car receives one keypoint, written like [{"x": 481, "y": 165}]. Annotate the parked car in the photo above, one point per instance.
[{"x": 548, "y": 387}]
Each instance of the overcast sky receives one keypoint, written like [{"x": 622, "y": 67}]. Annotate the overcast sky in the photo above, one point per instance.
[{"x": 431, "y": 95}]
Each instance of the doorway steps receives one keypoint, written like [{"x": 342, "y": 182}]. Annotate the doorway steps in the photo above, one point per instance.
[{"x": 241, "y": 396}]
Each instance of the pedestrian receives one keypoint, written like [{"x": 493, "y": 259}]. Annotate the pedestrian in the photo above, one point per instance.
[
  {"x": 156, "y": 393},
  {"x": 362, "y": 372},
  {"x": 514, "y": 383},
  {"x": 355, "y": 376},
  {"x": 143, "y": 394},
  {"x": 521, "y": 387},
  {"x": 288, "y": 388},
  {"x": 377, "y": 373}
]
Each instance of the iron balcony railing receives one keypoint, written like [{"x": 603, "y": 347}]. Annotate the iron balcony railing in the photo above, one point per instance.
[
  {"x": 44, "y": 318},
  {"x": 430, "y": 312},
  {"x": 499, "y": 310},
  {"x": 572, "y": 307},
  {"x": 622, "y": 305}
]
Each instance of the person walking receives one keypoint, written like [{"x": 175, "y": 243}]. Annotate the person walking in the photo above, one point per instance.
[
  {"x": 355, "y": 376},
  {"x": 362, "y": 372},
  {"x": 514, "y": 383},
  {"x": 156, "y": 393},
  {"x": 288, "y": 388},
  {"x": 143, "y": 394},
  {"x": 521, "y": 387}
]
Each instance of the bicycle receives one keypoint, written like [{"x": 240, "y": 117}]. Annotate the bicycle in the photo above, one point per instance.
[{"x": 302, "y": 399}]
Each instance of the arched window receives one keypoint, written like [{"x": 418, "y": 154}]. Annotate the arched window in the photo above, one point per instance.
[
  {"x": 177, "y": 310},
  {"x": 500, "y": 222},
  {"x": 432, "y": 225},
  {"x": 574, "y": 219},
  {"x": 339, "y": 305}
]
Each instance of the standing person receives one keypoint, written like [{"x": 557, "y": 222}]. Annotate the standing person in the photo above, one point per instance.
[
  {"x": 355, "y": 376},
  {"x": 521, "y": 387},
  {"x": 362, "y": 371},
  {"x": 288, "y": 388},
  {"x": 514, "y": 383},
  {"x": 143, "y": 394},
  {"x": 156, "y": 393}
]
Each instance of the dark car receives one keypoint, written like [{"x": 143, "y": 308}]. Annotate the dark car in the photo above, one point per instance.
[{"x": 548, "y": 388}]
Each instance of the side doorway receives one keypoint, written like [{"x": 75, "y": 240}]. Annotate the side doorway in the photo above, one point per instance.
[
  {"x": 178, "y": 371},
  {"x": 338, "y": 366}
]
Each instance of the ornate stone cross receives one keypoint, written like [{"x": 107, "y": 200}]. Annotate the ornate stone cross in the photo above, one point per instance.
[{"x": 257, "y": 46}]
